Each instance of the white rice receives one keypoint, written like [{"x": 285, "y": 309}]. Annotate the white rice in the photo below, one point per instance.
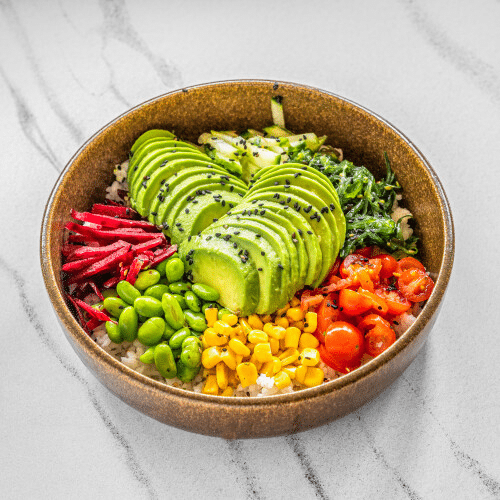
[{"x": 129, "y": 353}]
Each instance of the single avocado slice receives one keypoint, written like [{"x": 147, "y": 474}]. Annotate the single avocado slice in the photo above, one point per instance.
[
  {"x": 246, "y": 242},
  {"x": 184, "y": 220},
  {"x": 150, "y": 147},
  {"x": 166, "y": 191},
  {"x": 288, "y": 233},
  {"x": 308, "y": 205},
  {"x": 263, "y": 232},
  {"x": 157, "y": 160},
  {"x": 149, "y": 189},
  {"x": 215, "y": 262},
  {"x": 179, "y": 193},
  {"x": 300, "y": 175},
  {"x": 151, "y": 134},
  {"x": 302, "y": 230}
]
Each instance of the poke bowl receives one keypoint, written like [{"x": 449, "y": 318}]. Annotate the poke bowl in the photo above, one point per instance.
[{"x": 221, "y": 404}]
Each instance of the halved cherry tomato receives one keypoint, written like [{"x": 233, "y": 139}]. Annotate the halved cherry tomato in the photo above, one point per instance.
[
  {"x": 365, "y": 251},
  {"x": 409, "y": 263},
  {"x": 396, "y": 303},
  {"x": 310, "y": 300},
  {"x": 345, "y": 345},
  {"x": 415, "y": 285},
  {"x": 328, "y": 313},
  {"x": 389, "y": 265},
  {"x": 378, "y": 334},
  {"x": 350, "y": 260},
  {"x": 353, "y": 303},
  {"x": 377, "y": 303}
]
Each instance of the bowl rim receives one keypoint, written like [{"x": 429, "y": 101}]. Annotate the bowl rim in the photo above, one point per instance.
[{"x": 132, "y": 376}]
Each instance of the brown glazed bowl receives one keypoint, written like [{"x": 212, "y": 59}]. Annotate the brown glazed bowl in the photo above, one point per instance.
[{"x": 237, "y": 105}]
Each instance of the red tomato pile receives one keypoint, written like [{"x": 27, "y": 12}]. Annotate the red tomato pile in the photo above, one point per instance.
[{"x": 358, "y": 302}]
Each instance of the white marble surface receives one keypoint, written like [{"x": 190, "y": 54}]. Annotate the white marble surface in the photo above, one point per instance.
[{"x": 431, "y": 68}]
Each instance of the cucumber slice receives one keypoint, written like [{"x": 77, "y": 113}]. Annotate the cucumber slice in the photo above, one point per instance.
[{"x": 277, "y": 111}]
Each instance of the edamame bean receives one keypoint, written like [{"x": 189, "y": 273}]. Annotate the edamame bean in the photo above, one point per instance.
[
  {"x": 173, "y": 312},
  {"x": 161, "y": 267},
  {"x": 186, "y": 373},
  {"x": 110, "y": 292},
  {"x": 195, "y": 320},
  {"x": 148, "y": 306},
  {"x": 178, "y": 337},
  {"x": 156, "y": 291},
  {"x": 149, "y": 356},
  {"x": 127, "y": 291},
  {"x": 164, "y": 360},
  {"x": 192, "y": 301},
  {"x": 113, "y": 331},
  {"x": 174, "y": 269},
  {"x": 147, "y": 278},
  {"x": 168, "y": 331},
  {"x": 151, "y": 331},
  {"x": 179, "y": 287},
  {"x": 128, "y": 323},
  {"x": 115, "y": 306},
  {"x": 182, "y": 301},
  {"x": 205, "y": 292},
  {"x": 191, "y": 352},
  {"x": 223, "y": 312}
]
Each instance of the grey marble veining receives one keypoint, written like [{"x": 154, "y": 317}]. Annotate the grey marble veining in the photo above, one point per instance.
[{"x": 431, "y": 68}]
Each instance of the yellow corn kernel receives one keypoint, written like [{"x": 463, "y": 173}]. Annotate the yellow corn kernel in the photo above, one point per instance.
[
  {"x": 295, "y": 314},
  {"x": 222, "y": 375},
  {"x": 314, "y": 377},
  {"x": 292, "y": 336},
  {"x": 247, "y": 373},
  {"x": 228, "y": 392},
  {"x": 204, "y": 342},
  {"x": 266, "y": 319},
  {"x": 267, "y": 369},
  {"x": 308, "y": 340},
  {"x": 211, "y": 315},
  {"x": 211, "y": 356},
  {"x": 289, "y": 356},
  {"x": 238, "y": 333},
  {"x": 245, "y": 325},
  {"x": 283, "y": 322},
  {"x": 290, "y": 370},
  {"x": 283, "y": 310},
  {"x": 282, "y": 380},
  {"x": 239, "y": 347},
  {"x": 230, "y": 319},
  {"x": 233, "y": 379},
  {"x": 300, "y": 373},
  {"x": 276, "y": 364},
  {"x": 309, "y": 357},
  {"x": 239, "y": 358},
  {"x": 255, "y": 322},
  {"x": 211, "y": 386},
  {"x": 275, "y": 346},
  {"x": 221, "y": 327},
  {"x": 256, "y": 362},
  {"x": 263, "y": 352},
  {"x": 228, "y": 356},
  {"x": 311, "y": 322},
  {"x": 211, "y": 337},
  {"x": 295, "y": 302},
  {"x": 267, "y": 327},
  {"x": 276, "y": 332},
  {"x": 257, "y": 337},
  {"x": 299, "y": 325}
]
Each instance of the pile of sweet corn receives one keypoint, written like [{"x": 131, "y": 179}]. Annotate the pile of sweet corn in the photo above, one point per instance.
[{"x": 283, "y": 347}]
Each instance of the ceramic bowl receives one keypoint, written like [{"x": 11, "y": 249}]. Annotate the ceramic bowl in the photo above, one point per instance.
[{"x": 363, "y": 137}]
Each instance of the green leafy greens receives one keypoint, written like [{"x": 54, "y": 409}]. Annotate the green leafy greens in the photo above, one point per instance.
[{"x": 367, "y": 204}]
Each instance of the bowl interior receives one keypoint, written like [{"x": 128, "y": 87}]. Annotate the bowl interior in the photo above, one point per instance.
[{"x": 237, "y": 105}]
